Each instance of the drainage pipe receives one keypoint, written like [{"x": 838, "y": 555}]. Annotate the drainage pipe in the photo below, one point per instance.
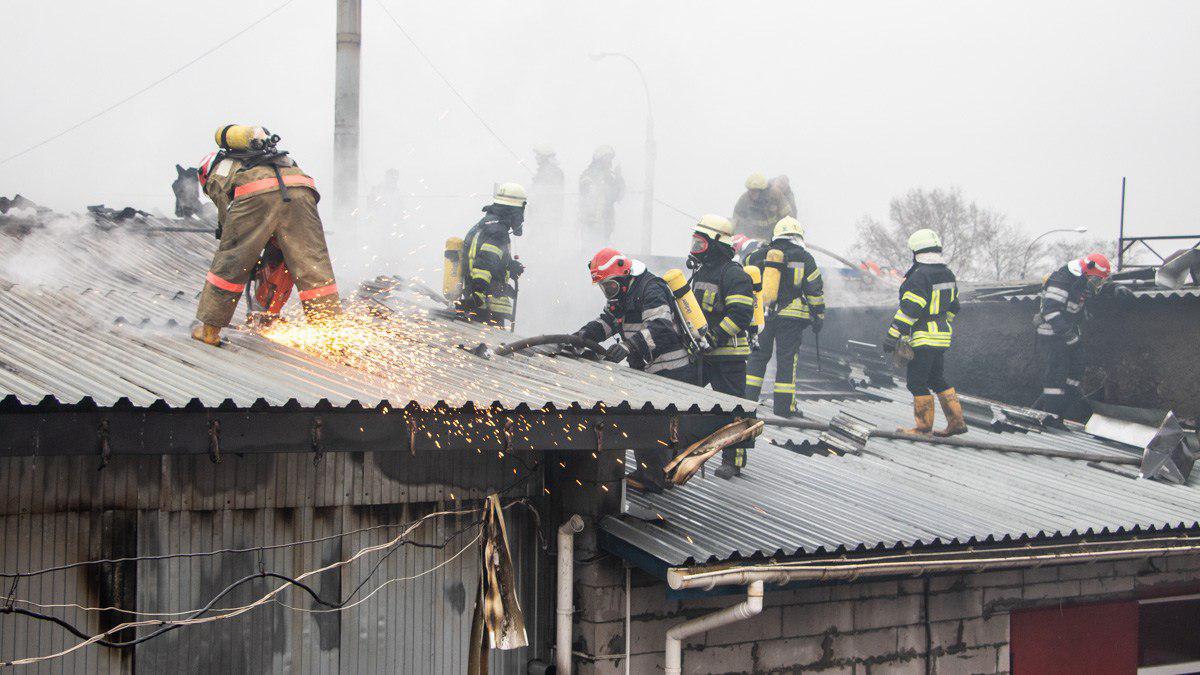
[
  {"x": 565, "y": 607},
  {"x": 752, "y": 605}
]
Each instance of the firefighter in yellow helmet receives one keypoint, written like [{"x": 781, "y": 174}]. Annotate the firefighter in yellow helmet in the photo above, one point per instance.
[
  {"x": 488, "y": 264},
  {"x": 798, "y": 302},
  {"x": 261, "y": 194},
  {"x": 726, "y": 295},
  {"x": 762, "y": 205}
]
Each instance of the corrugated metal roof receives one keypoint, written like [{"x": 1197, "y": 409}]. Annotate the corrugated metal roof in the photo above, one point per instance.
[
  {"x": 105, "y": 314},
  {"x": 899, "y": 493}
]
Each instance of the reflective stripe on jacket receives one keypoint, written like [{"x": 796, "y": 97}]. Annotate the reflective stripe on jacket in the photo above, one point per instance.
[
  {"x": 726, "y": 297},
  {"x": 1062, "y": 298},
  {"x": 801, "y": 288},
  {"x": 928, "y": 303},
  {"x": 647, "y": 324}
]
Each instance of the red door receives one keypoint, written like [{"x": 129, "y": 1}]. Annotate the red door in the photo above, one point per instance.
[{"x": 1099, "y": 639}]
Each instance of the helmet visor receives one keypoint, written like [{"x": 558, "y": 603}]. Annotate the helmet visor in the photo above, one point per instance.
[
  {"x": 699, "y": 244},
  {"x": 611, "y": 288}
]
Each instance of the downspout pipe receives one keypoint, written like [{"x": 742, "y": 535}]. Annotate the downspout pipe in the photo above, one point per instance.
[
  {"x": 752, "y": 605},
  {"x": 565, "y": 606}
]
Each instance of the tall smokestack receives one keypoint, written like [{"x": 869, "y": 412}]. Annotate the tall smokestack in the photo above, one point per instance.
[{"x": 345, "y": 109}]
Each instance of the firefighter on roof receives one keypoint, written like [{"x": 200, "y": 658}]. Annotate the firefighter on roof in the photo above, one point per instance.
[
  {"x": 794, "y": 299},
  {"x": 639, "y": 310},
  {"x": 1063, "y": 296},
  {"x": 726, "y": 295},
  {"x": 488, "y": 265},
  {"x": 261, "y": 194},
  {"x": 928, "y": 303}
]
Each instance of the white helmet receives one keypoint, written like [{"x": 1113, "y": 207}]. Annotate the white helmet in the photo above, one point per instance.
[
  {"x": 717, "y": 228},
  {"x": 924, "y": 239},
  {"x": 604, "y": 152},
  {"x": 788, "y": 227},
  {"x": 509, "y": 194},
  {"x": 543, "y": 150}
]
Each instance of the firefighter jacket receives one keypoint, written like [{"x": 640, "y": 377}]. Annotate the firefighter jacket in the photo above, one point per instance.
[
  {"x": 801, "y": 288},
  {"x": 646, "y": 322},
  {"x": 1061, "y": 310},
  {"x": 928, "y": 303},
  {"x": 236, "y": 175},
  {"x": 726, "y": 297},
  {"x": 489, "y": 265}
]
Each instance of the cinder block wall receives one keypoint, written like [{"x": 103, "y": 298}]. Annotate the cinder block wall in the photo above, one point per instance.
[{"x": 861, "y": 628}]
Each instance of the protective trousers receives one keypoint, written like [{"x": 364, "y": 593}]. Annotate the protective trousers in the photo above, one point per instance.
[
  {"x": 727, "y": 376},
  {"x": 786, "y": 335},
  {"x": 249, "y": 223},
  {"x": 925, "y": 374},
  {"x": 1063, "y": 375},
  {"x": 652, "y": 461}
]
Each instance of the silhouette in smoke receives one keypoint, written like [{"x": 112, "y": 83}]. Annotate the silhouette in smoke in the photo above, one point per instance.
[
  {"x": 762, "y": 205},
  {"x": 547, "y": 190},
  {"x": 387, "y": 202},
  {"x": 187, "y": 193},
  {"x": 600, "y": 188}
]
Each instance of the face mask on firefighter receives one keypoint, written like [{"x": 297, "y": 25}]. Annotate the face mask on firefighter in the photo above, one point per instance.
[
  {"x": 611, "y": 288},
  {"x": 699, "y": 248},
  {"x": 1094, "y": 283}
]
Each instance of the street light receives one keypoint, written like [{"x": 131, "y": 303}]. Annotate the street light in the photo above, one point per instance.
[
  {"x": 651, "y": 150},
  {"x": 1025, "y": 259}
]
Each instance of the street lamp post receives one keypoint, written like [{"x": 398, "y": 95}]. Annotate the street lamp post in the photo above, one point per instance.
[
  {"x": 651, "y": 152},
  {"x": 1028, "y": 249}
]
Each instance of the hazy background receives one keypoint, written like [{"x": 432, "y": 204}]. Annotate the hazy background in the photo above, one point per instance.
[{"x": 1034, "y": 109}]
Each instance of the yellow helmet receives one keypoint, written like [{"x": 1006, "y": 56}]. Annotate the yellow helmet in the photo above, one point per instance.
[
  {"x": 509, "y": 194},
  {"x": 717, "y": 228},
  {"x": 924, "y": 239},
  {"x": 756, "y": 181},
  {"x": 788, "y": 226}
]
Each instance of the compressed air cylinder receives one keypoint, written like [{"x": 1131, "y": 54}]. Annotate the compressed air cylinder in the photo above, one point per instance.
[
  {"x": 238, "y": 136},
  {"x": 756, "y": 279},
  {"x": 770, "y": 277},
  {"x": 452, "y": 268},
  {"x": 688, "y": 307}
]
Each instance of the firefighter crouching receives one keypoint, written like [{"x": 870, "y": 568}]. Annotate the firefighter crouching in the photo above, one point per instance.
[
  {"x": 928, "y": 303},
  {"x": 488, "y": 265},
  {"x": 794, "y": 300},
  {"x": 639, "y": 310},
  {"x": 726, "y": 295},
  {"x": 1059, "y": 336},
  {"x": 260, "y": 193}
]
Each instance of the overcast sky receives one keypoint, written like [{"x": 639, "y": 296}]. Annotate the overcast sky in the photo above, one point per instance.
[{"x": 1037, "y": 109}]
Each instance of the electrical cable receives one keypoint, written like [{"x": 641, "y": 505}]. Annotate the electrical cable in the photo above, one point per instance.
[
  {"x": 451, "y": 87},
  {"x": 148, "y": 87}
]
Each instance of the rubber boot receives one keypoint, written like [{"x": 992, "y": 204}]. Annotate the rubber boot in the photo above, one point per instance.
[
  {"x": 955, "y": 424},
  {"x": 209, "y": 335},
  {"x": 923, "y": 414}
]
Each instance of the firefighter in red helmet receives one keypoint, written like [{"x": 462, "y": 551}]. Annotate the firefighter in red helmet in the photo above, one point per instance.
[
  {"x": 639, "y": 312},
  {"x": 1059, "y": 335}
]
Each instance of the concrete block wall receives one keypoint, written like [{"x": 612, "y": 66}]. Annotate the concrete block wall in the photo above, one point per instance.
[{"x": 946, "y": 624}]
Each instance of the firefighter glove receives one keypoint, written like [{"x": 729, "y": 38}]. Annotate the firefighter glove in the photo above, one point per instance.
[
  {"x": 889, "y": 344},
  {"x": 637, "y": 345},
  {"x": 516, "y": 268},
  {"x": 817, "y": 322},
  {"x": 616, "y": 353},
  {"x": 473, "y": 300}
]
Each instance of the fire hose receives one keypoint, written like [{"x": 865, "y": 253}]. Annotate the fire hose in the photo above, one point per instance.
[{"x": 551, "y": 339}]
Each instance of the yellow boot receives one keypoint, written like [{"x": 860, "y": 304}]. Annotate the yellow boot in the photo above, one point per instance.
[
  {"x": 955, "y": 424},
  {"x": 209, "y": 335},
  {"x": 923, "y": 414}
]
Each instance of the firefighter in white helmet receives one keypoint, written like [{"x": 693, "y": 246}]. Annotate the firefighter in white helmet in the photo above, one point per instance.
[
  {"x": 488, "y": 265},
  {"x": 726, "y": 295},
  {"x": 762, "y": 205}
]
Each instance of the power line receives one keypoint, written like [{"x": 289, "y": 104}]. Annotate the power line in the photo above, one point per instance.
[
  {"x": 435, "y": 69},
  {"x": 148, "y": 87}
]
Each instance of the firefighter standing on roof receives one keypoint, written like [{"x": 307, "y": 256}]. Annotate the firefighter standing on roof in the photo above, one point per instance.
[
  {"x": 639, "y": 310},
  {"x": 798, "y": 303},
  {"x": 260, "y": 193},
  {"x": 488, "y": 265},
  {"x": 928, "y": 303},
  {"x": 1058, "y": 330},
  {"x": 726, "y": 295}
]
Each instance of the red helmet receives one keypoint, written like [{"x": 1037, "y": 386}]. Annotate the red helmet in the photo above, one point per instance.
[
  {"x": 609, "y": 268},
  {"x": 1095, "y": 265},
  {"x": 205, "y": 167}
]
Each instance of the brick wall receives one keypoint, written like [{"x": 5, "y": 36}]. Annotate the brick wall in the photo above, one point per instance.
[{"x": 862, "y": 628}]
